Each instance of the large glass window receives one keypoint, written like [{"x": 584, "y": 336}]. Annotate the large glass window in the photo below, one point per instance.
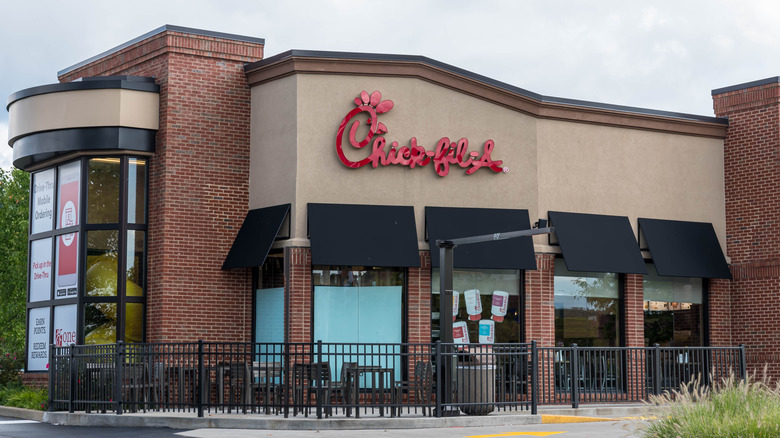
[
  {"x": 673, "y": 310},
  {"x": 87, "y": 254},
  {"x": 269, "y": 308},
  {"x": 586, "y": 308},
  {"x": 499, "y": 286},
  {"x": 359, "y": 305}
]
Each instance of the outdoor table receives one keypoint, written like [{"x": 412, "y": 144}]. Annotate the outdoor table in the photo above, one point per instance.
[{"x": 375, "y": 374}]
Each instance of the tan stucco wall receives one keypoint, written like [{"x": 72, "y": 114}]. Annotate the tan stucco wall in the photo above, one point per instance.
[
  {"x": 553, "y": 165},
  {"x": 84, "y": 109},
  {"x": 628, "y": 172},
  {"x": 427, "y": 112},
  {"x": 274, "y": 140}
]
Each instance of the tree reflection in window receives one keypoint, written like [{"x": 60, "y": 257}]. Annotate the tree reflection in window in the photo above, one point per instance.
[
  {"x": 586, "y": 308},
  {"x": 103, "y": 191}
]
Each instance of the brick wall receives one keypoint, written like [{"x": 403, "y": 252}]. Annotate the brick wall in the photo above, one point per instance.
[
  {"x": 752, "y": 178},
  {"x": 299, "y": 292},
  {"x": 540, "y": 302},
  {"x": 635, "y": 314},
  {"x": 419, "y": 314},
  {"x": 198, "y": 181}
]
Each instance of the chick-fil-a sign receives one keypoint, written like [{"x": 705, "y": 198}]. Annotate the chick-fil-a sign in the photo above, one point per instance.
[{"x": 445, "y": 153}]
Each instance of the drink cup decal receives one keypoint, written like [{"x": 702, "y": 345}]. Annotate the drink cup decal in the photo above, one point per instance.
[
  {"x": 473, "y": 304},
  {"x": 487, "y": 331},
  {"x": 455, "y": 304},
  {"x": 460, "y": 333},
  {"x": 500, "y": 303}
]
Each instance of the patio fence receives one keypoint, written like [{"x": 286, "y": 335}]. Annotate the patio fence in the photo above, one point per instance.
[{"x": 326, "y": 379}]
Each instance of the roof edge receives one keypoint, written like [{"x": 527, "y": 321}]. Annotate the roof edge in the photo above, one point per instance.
[
  {"x": 159, "y": 30},
  {"x": 357, "y": 56},
  {"x": 767, "y": 81}
]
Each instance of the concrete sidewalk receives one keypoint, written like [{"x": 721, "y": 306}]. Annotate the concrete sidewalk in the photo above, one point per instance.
[{"x": 189, "y": 420}]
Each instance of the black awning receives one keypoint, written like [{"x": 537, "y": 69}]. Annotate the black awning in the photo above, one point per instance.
[
  {"x": 363, "y": 235},
  {"x": 597, "y": 243},
  {"x": 684, "y": 249},
  {"x": 256, "y": 236},
  {"x": 444, "y": 223}
]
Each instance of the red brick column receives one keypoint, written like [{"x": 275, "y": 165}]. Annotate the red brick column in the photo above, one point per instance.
[
  {"x": 198, "y": 181},
  {"x": 752, "y": 182},
  {"x": 720, "y": 313},
  {"x": 419, "y": 298},
  {"x": 540, "y": 302},
  {"x": 635, "y": 315},
  {"x": 540, "y": 319},
  {"x": 635, "y": 332},
  {"x": 299, "y": 290}
]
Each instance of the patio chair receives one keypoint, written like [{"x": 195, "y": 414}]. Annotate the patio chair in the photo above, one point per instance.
[{"x": 421, "y": 387}]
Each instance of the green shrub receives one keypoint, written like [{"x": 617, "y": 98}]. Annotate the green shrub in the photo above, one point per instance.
[
  {"x": 732, "y": 408},
  {"x": 10, "y": 365},
  {"x": 19, "y": 396}
]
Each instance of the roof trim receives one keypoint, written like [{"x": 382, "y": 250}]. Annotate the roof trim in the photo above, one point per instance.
[
  {"x": 416, "y": 59},
  {"x": 136, "y": 83},
  {"x": 767, "y": 81},
  {"x": 159, "y": 30}
]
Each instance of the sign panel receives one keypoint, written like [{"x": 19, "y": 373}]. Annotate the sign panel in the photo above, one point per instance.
[
  {"x": 43, "y": 202},
  {"x": 67, "y": 266},
  {"x": 40, "y": 270},
  {"x": 68, "y": 195},
  {"x": 38, "y": 339},
  {"x": 65, "y": 325}
]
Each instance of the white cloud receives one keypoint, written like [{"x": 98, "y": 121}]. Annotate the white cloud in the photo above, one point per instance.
[
  {"x": 6, "y": 153},
  {"x": 665, "y": 55}
]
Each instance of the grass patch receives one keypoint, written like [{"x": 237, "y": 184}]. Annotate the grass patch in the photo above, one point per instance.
[
  {"x": 18, "y": 396},
  {"x": 732, "y": 408}
]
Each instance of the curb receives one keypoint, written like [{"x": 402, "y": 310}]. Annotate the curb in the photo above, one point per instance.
[
  {"x": 24, "y": 414},
  {"x": 142, "y": 420}
]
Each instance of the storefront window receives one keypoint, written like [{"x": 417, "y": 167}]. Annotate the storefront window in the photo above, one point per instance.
[
  {"x": 134, "y": 272},
  {"x": 269, "y": 307},
  {"x": 102, "y": 260},
  {"x": 586, "y": 308},
  {"x": 359, "y": 305},
  {"x": 507, "y": 323},
  {"x": 136, "y": 191},
  {"x": 100, "y": 323},
  {"x": 103, "y": 191},
  {"x": 673, "y": 310},
  {"x": 87, "y": 270}
]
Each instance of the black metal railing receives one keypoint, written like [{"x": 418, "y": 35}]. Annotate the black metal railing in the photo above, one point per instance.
[
  {"x": 326, "y": 379},
  {"x": 575, "y": 375}
]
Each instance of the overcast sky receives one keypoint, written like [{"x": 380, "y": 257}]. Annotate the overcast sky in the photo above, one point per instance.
[{"x": 665, "y": 55}]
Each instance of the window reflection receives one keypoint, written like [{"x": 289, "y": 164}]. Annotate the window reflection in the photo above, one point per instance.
[
  {"x": 100, "y": 323},
  {"x": 136, "y": 191},
  {"x": 673, "y": 310},
  {"x": 103, "y": 191},
  {"x": 102, "y": 262},
  {"x": 586, "y": 308}
]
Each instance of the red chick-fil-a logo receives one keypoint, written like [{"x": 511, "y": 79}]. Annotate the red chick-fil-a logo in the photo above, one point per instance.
[{"x": 445, "y": 154}]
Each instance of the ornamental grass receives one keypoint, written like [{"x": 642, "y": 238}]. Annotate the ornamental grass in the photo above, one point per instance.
[{"x": 730, "y": 408}]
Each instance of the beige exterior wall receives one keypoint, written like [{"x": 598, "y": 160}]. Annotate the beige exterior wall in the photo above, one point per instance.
[
  {"x": 84, "y": 109},
  {"x": 274, "y": 139},
  {"x": 553, "y": 165},
  {"x": 629, "y": 172}
]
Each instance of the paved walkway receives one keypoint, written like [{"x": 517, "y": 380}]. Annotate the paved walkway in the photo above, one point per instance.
[{"x": 189, "y": 420}]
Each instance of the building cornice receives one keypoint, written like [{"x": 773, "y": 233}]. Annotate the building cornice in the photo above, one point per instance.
[{"x": 515, "y": 98}]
